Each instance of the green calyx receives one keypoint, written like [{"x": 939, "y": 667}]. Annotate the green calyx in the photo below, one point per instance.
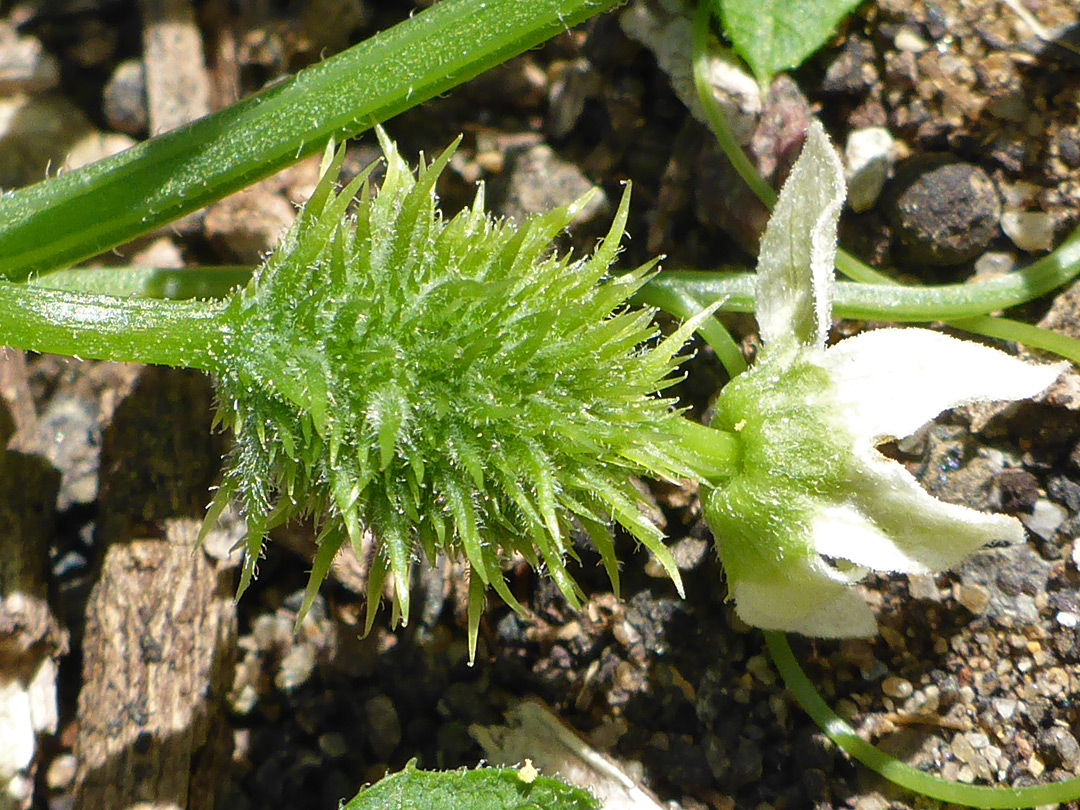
[
  {"x": 445, "y": 385},
  {"x": 792, "y": 456}
]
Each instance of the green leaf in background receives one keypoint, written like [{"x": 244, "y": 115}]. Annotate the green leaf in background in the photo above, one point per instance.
[
  {"x": 479, "y": 789},
  {"x": 775, "y": 35}
]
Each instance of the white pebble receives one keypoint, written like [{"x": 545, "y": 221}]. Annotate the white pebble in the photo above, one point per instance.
[
  {"x": 1032, "y": 231},
  {"x": 1045, "y": 518},
  {"x": 1067, "y": 619},
  {"x": 1005, "y": 707},
  {"x": 868, "y": 156},
  {"x": 907, "y": 40}
]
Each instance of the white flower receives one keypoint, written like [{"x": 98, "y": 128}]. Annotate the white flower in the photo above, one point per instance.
[{"x": 814, "y": 504}]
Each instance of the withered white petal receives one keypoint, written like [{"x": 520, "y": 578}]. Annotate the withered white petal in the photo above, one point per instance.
[
  {"x": 812, "y": 598},
  {"x": 890, "y": 382},
  {"x": 888, "y": 522}
]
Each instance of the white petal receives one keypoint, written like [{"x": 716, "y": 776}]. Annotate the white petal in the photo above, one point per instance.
[
  {"x": 890, "y": 523},
  {"x": 890, "y": 382},
  {"x": 798, "y": 250},
  {"x": 812, "y": 599}
]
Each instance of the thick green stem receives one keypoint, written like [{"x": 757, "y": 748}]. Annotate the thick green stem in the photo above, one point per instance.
[
  {"x": 715, "y": 455},
  {"x": 144, "y": 330},
  {"x": 84, "y": 212}
]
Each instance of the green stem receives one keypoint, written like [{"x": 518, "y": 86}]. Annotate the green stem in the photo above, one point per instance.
[
  {"x": 143, "y": 330},
  {"x": 682, "y": 305},
  {"x": 846, "y": 263},
  {"x": 1034, "y": 337},
  {"x": 896, "y": 302},
  {"x": 84, "y": 212},
  {"x": 858, "y": 270},
  {"x": 715, "y": 455},
  {"x": 715, "y": 116},
  {"x": 893, "y": 769}
]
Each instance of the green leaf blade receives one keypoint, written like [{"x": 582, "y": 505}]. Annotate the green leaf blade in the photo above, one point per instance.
[
  {"x": 776, "y": 35},
  {"x": 479, "y": 789}
]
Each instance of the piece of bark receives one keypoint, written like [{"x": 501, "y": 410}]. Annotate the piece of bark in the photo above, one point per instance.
[
  {"x": 177, "y": 82},
  {"x": 161, "y": 622},
  {"x": 157, "y": 662},
  {"x": 31, "y": 638}
]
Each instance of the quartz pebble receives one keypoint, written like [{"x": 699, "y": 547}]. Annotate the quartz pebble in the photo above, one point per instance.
[
  {"x": 868, "y": 159},
  {"x": 1032, "y": 231},
  {"x": 1045, "y": 518},
  {"x": 1005, "y": 707},
  {"x": 907, "y": 41}
]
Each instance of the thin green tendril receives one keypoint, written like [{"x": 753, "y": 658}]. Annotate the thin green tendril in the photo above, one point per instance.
[{"x": 894, "y": 770}]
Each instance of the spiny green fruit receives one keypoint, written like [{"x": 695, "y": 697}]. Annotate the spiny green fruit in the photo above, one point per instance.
[{"x": 448, "y": 385}]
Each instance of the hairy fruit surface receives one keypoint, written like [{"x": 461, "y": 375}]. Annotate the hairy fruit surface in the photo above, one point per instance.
[{"x": 449, "y": 386}]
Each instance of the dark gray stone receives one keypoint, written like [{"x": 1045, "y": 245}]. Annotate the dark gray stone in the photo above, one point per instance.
[{"x": 945, "y": 213}]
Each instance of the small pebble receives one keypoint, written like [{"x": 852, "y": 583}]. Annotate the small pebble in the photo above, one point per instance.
[
  {"x": 896, "y": 687},
  {"x": 1005, "y": 707},
  {"x": 974, "y": 597},
  {"x": 61, "y": 772},
  {"x": 1035, "y": 767},
  {"x": 923, "y": 586},
  {"x": 1045, "y": 518},
  {"x": 853, "y": 70},
  {"x": 906, "y": 40},
  {"x": 868, "y": 158},
  {"x": 994, "y": 263},
  {"x": 689, "y": 553},
  {"x": 1032, "y": 231},
  {"x": 124, "y": 99},
  {"x": 296, "y": 667},
  {"x": 1067, "y": 619},
  {"x": 945, "y": 213}
]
